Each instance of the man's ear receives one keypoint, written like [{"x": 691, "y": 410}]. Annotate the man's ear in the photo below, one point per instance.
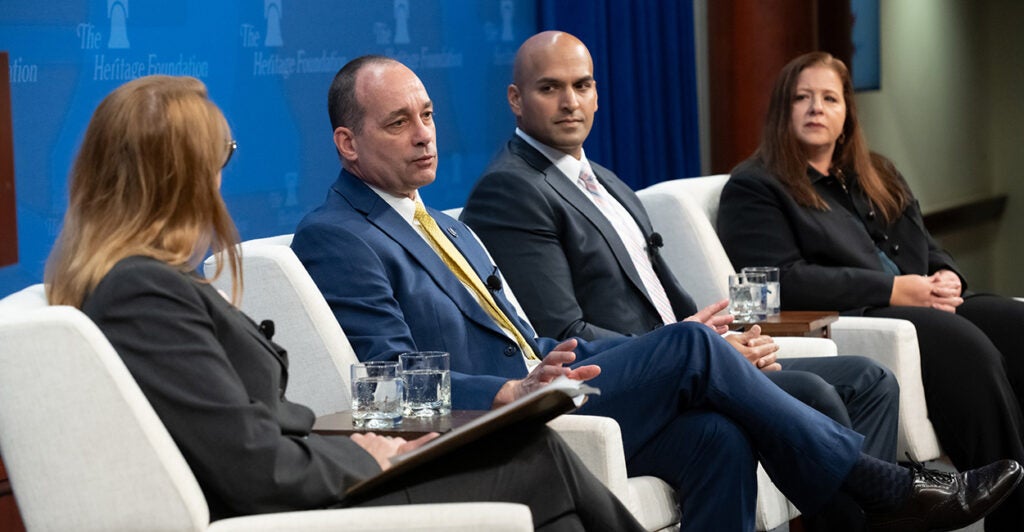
[
  {"x": 514, "y": 101},
  {"x": 345, "y": 141}
]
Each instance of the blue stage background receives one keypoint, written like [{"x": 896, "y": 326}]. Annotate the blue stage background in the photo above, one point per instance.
[{"x": 267, "y": 64}]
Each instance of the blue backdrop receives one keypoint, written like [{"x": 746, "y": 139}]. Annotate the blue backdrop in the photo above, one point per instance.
[{"x": 268, "y": 64}]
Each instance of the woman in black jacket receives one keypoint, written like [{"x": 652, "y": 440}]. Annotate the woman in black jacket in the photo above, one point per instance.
[{"x": 846, "y": 233}]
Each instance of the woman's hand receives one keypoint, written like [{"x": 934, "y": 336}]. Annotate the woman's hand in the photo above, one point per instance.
[
  {"x": 383, "y": 448},
  {"x": 921, "y": 291},
  {"x": 946, "y": 283}
]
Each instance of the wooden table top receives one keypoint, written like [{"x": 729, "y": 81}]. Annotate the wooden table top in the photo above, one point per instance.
[
  {"x": 340, "y": 423},
  {"x": 795, "y": 322}
]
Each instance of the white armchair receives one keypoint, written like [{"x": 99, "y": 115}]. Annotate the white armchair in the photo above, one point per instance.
[
  {"x": 85, "y": 450},
  {"x": 684, "y": 210},
  {"x": 277, "y": 287}
]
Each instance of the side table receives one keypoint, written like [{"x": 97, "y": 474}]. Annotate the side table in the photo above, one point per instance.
[
  {"x": 340, "y": 423},
  {"x": 812, "y": 323}
]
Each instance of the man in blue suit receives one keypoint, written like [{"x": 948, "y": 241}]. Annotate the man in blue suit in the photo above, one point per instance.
[{"x": 401, "y": 277}]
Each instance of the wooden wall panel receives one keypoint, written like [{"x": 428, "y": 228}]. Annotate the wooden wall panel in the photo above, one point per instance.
[
  {"x": 10, "y": 520},
  {"x": 8, "y": 220},
  {"x": 749, "y": 41}
]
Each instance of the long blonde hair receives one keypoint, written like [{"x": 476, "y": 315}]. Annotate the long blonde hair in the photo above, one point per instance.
[
  {"x": 146, "y": 181},
  {"x": 781, "y": 152}
]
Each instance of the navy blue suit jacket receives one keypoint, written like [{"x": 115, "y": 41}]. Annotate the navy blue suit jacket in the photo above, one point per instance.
[{"x": 374, "y": 269}]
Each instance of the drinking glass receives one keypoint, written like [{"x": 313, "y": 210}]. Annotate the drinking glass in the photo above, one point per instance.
[
  {"x": 771, "y": 278},
  {"x": 377, "y": 391},
  {"x": 747, "y": 297},
  {"x": 428, "y": 383}
]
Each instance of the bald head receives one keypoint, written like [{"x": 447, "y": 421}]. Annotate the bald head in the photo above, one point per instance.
[
  {"x": 553, "y": 93},
  {"x": 543, "y": 48}
]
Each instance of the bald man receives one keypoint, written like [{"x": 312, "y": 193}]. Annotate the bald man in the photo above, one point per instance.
[{"x": 575, "y": 251}]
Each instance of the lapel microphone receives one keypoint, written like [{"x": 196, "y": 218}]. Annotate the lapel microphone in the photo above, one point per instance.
[
  {"x": 655, "y": 241},
  {"x": 493, "y": 281},
  {"x": 267, "y": 329}
]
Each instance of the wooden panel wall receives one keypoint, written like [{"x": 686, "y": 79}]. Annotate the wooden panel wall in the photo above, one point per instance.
[
  {"x": 10, "y": 521},
  {"x": 8, "y": 223},
  {"x": 749, "y": 41}
]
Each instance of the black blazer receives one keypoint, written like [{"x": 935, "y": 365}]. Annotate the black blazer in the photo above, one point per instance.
[
  {"x": 828, "y": 260},
  {"x": 563, "y": 259},
  {"x": 218, "y": 386}
]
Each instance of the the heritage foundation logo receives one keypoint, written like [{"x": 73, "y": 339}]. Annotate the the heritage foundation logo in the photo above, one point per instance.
[
  {"x": 117, "y": 12},
  {"x": 275, "y": 63},
  {"x": 400, "y": 45},
  {"x": 119, "y": 66}
]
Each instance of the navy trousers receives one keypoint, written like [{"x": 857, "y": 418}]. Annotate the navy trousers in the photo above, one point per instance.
[{"x": 695, "y": 413}]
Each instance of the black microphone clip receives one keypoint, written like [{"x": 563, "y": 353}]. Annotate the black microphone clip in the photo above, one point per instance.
[
  {"x": 653, "y": 243},
  {"x": 493, "y": 281},
  {"x": 267, "y": 329}
]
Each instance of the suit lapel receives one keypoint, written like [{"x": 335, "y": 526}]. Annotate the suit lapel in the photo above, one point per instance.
[
  {"x": 576, "y": 198},
  {"x": 389, "y": 222}
]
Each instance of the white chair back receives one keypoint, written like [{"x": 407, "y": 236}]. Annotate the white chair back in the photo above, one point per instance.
[
  {"x": 683, "y": 212},
  {"x": 83, "y": 447},
  {"x": 278, "y": 288}
]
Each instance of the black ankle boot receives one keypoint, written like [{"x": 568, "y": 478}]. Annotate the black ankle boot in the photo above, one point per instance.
[{"x": 946, "y": 501}]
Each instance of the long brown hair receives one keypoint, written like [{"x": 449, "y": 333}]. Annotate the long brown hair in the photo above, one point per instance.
[
  {"x": 146, "y": 181},
  {"x": 784, "y": 157}
]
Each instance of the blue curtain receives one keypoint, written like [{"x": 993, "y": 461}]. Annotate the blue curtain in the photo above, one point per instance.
[{"x": 646, "y": 127}]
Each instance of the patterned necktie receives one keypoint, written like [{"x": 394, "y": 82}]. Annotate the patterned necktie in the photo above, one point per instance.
[
  {"x": 461, "y": 268},
  {"x": 629, "y": 232}
]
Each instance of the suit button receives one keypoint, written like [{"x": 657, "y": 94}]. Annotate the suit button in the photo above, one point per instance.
[
  {"x": 871, "y": 215},
  {"x": 895, "y": 249},
  {"x": 510, "y": 350}
]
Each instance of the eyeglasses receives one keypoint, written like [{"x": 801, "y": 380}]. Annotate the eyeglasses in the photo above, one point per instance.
[{"x": 232, "y": 146}]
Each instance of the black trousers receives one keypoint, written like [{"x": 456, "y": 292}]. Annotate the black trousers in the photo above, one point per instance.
[
  {"x": 972, "y": 365},
  {"x": 533, "y": 467}
]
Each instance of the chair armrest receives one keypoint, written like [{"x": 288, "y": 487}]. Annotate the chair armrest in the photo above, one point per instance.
[
  {"x": 504, "y": 517},
  {"x": 893, "y": 343},
  {"x": 799, "y": 346},
  {"x": 598, "y": 442}
]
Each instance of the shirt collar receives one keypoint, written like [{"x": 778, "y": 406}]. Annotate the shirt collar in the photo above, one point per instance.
[
  {"x": 567, "y": 164},
  {"x": 404, "y": 205}
]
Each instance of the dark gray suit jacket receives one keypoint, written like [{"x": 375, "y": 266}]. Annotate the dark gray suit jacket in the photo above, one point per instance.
[
  {"x": 561, "y": 256},
  {"x": 218, "y": 386}
]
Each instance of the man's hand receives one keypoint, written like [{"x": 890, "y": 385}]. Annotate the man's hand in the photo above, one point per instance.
[
  {"x": 936, "y": 291},
  {"x": 707, "y": 316},
  {"x": 383, "y": 448},
  {"x": 760, "y": 350},
  {"x": 550, "y": 368}
]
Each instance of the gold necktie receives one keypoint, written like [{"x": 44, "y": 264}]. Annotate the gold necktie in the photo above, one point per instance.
[{"x": 461, "y": 268}]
